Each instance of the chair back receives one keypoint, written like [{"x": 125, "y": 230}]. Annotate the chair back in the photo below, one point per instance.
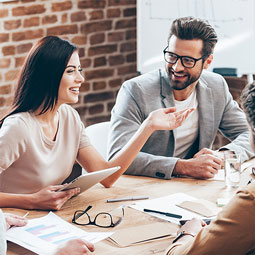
[{"x": 98, "y": 135}]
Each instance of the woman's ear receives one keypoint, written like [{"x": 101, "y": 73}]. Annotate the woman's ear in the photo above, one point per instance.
[{"x": 208, "y": 61}]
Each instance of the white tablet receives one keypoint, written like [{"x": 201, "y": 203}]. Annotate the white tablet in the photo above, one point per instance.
[{"x": 88, "y": 180}]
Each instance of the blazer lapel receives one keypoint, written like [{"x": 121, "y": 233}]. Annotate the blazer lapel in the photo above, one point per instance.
[
  {"x": 166, "y": 90},
  {"x": 167, "y": 100},
  {"x": 206, "y": 115}
]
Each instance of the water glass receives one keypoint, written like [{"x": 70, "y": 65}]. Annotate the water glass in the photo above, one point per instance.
[{"x": 232, "y": 169}]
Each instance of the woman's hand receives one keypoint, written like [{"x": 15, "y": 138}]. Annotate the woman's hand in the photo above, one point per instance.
[
  {"x": 168, "y": 118},
  {"x": 75, "y": 247},
  {"x": 14, "y": 220},
  {"x": 50, "y": 198}
]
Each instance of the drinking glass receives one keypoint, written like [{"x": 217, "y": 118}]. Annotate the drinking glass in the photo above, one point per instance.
[{"x": 232, "y": 169}]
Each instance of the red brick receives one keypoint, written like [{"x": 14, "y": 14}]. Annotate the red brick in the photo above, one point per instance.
[
  {"x": 4, "y": 38},
  {"x": 61, "y": 6},
  {"x": 99, "y": 85},
  {"x": 28, "y": 10},
  {"x": 3, "y": 13},
  {"x": 19, "y": 61},
  {"x": 85, "y": 87},
  {"x": 32, "y": 22},
  {"x": 110, "y": 106},
  {"x": 78, "y": 16},
  {"x": 85, "y": 63},
  {"x": 99, "y": 61},
  {"x": 96, "y": 15},
  {"x": 12, "y": 24},
  {"x": 131, "y": 34},
  {"x": 127, "y": 69},
  {"x": 5, "y": 101},
  {"x": 22, "y": 48},
  {"x": 49, "y": 19},
  {"x": 95, "y": 109},
  {"x": 126, "y": 23},
  {"x": 121, "y": 2},
  {"x": 115, "y": 83},
  {"x": 81, "y": 52},
  {"x": 5, "y": 90},
  {"x": 131, "y": 57},
  {"x": 99, "y": 73},
  {"x": 104, "y": 49},
  {"x": 62, "y": 30},
  {"x": 79, "y": 40},
  {"x": 116, "y": 60},
  {"x": 5, "y": 62},
  {"x": 91, "y": 98},
  {"x": 97, "y": 38},
  {"x": 64, "y": 18},
  {"x": 96, "y": 26},
  {"x": 8, "y": 50},
  {"x": 129, "y": 12},
  {"x": 115, "y": 36},
  {"x": 28, "y": 35},
  {"x": 113, "y": 13},
  {"x": 11, "y": 75},
  {"x": 129, "y": 46},
  {"x": 91, "y": 4}
]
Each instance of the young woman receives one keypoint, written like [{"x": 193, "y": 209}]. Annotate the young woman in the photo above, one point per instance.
[{"x": 42, "y": 136}]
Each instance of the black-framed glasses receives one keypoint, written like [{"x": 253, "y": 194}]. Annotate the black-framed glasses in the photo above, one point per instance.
[
  {"x": 103, "y": 219},
  {"x": 188, "y": 62}
]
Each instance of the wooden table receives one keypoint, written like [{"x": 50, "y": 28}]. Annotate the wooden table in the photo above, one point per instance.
[{"x": 132, "y": 186}]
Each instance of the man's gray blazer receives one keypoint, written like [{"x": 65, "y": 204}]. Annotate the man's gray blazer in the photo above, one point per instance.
[{"x": 146, "y": 93}]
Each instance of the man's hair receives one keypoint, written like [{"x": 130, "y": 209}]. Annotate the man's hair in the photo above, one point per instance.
[
  {"x": 40, "y": 77},
  {"x": 189, "y": 28},
  {"x": 248, "y": 104}
]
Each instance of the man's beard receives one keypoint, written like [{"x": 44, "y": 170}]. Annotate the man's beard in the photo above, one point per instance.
[{"x": 179, "y": 85}]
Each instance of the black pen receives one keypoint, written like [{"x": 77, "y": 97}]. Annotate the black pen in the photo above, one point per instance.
[{"x": 164, "y": 213}]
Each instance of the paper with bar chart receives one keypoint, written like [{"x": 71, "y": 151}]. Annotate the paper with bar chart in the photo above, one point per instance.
[{"x": 43, "y": 235}]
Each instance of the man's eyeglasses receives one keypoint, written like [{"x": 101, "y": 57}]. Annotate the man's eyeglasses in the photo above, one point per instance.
[
  {"x": 188, "y": 62},
  {"x": 103, "y": 219}
]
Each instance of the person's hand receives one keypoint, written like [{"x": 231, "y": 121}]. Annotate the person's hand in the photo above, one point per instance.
[
  {"x": 168, "y": 118},
  {"x": 205, "y": 164},
  {"x": 14, "y": 220},
  {"x": 192, "y": 226},
  {"x": 75, "y": 247},
  {"x": 219, "y": 154},
  {"x": 50, "y": 198}
]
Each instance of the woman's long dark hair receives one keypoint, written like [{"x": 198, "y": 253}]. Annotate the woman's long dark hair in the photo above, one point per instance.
[{"x": 40, "y": 76}]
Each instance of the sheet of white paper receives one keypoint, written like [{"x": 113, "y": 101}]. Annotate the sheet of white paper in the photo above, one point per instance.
[
  {"x": 168, "y": 204},
  {"x": 43, "y": 235}
]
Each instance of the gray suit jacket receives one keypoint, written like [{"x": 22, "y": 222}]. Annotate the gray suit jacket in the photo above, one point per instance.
[{"x": 146, "y": 93}]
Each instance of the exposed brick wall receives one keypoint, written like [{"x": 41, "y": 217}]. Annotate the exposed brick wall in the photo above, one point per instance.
[{"x": 104, "y": 31}]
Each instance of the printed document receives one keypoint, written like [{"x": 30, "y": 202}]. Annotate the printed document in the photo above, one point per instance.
[{"x": 43, "y": 235}]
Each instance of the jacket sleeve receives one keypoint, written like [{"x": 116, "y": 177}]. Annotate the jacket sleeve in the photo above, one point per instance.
[
  {"x": 233, "y": 127},
  {"x": 232, "y": 232},
  {"x": 127, "y": 115}
]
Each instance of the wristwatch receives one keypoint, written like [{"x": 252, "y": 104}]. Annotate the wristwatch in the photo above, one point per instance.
[{"x": 181, "y": 234}]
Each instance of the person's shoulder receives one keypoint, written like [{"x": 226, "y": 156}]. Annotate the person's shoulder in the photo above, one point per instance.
[
  {"x": 211, "y": 79},
  {"x": 143, "y": 83},
  {"x": 18, "y": 119},
  {"x": 68, "y": 112}
]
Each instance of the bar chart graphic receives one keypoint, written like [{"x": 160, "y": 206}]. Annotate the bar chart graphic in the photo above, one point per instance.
[{"x": 51, "y": 233}]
